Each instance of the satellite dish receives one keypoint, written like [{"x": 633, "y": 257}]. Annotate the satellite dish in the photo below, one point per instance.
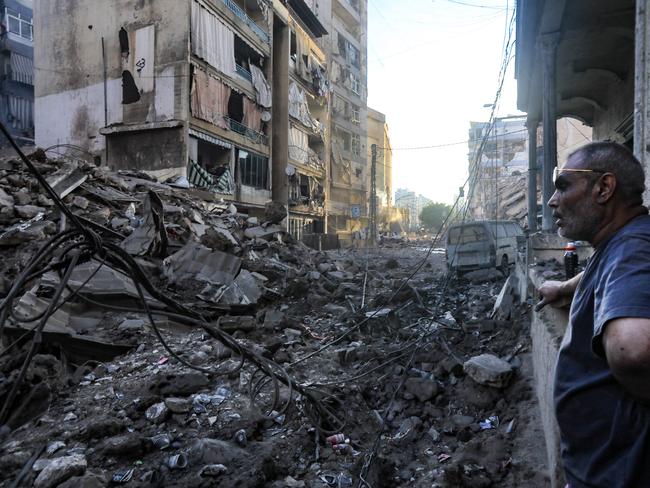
[
  {"x": 266, "y": 116},
  {"x": 290, "y": 170}
]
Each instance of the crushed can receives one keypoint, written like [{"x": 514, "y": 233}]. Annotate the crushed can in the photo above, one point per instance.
[
  {"x": 336, "y": 439},
  {"x": 570, "y": 260}
]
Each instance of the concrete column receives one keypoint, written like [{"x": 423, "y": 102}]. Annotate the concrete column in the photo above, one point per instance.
[
  {"x": 642, "y": 91},
  {"x": 532, "y": 174},
  {"x": 280, "y": 119},
  {"x": 548, "y": 44}
]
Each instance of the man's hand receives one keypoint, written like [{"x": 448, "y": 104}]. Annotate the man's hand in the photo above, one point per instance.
[{"x": 557, "y": 294}]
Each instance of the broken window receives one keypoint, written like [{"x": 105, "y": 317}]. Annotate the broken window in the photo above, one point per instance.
[
  {"x": 354, "y": 56},
  {"x": 342, "y": 44},
  {"x": 356, "y": 144},
  {"x": 355, "y": 84},
  {"x": 245, "y": 56},
  {"x": 344, "y": 139},
  {"x": 212, "y": 168},
  {"x": 253, "y": 169},
  {"x": 236, "y": 109},
  {"x": 356, "y": 115}
]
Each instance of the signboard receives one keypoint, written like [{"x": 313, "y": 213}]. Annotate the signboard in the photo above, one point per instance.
[{"x": 355, "y": 211}]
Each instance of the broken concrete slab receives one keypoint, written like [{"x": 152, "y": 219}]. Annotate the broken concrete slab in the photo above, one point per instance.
[
  {"x": 33, "y": 230},
  {"x": 105, "y": 281},
  {"x": 150, "y": 238},
  {"x": 67, "y": 179},
  {"x": 266, "y": 233},
  {"x": 6, "y": 200},
  {"x": 243, "y": 291},
  {"x": 200, "y": 263},
  {"x": 28, "y": 211},
  {"x": 506, "y": 299},
  {"x": 60, "y": 469},
  {"x": 489, "y": 370}
]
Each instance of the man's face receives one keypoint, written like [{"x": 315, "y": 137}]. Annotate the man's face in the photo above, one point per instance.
[{"x": 577, "y": 215}]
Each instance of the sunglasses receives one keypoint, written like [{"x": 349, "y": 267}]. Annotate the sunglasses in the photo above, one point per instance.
[{"x": 557, "y": 171}]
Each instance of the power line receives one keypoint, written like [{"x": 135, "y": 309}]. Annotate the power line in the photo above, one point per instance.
[{"x": 492, "y": 7}]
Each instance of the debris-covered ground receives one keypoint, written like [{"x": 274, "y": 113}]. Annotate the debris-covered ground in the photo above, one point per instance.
[{"x": 183, "y": 343}]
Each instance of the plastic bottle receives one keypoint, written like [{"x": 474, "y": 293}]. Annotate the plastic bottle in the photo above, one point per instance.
[{"x": 570, "y": 260}]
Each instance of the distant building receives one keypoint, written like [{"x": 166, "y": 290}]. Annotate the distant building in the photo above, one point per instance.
[
  {"x": 378, "y": 135},
  {"x": 407, "y": 199},
  {"x": 17, "y": 69},
  {"x": 498, "y": 182}
]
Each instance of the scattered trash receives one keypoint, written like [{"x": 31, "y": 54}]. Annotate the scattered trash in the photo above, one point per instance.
[
  {"x": 123, "y": 476},
  {"x": 491, "y": 422},
  {"x": 178, "y": 461}
]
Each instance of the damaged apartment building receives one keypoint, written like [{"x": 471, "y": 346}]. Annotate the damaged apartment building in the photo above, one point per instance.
[
  {"x": 228, "y": 96},
  {"x": 17, "y": 69},
  {"x": 499, "y": 179}
]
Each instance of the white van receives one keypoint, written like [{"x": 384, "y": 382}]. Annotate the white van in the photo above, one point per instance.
[{"x": 482, "y": 244}]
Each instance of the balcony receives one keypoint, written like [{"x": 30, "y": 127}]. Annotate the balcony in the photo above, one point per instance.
[
  {"x": 348, "y": 12},
  {"x": 236, "y": 9},
  {"x": 247, "y": 132},
  {"x": 244, "y": 73}
]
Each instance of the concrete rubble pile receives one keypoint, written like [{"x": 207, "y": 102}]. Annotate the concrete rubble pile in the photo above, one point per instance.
[{"x": 388, "y": 352}]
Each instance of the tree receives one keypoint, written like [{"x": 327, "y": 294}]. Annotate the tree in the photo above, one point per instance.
[{"x": 433, "y": 215}]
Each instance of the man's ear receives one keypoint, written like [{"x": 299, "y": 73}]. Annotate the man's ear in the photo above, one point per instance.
[{"x": 605, "y": 187}]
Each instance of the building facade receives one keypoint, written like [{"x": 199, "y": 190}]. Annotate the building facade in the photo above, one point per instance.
[
  {"x": 228, "y": 93},
  {"x": 17, "y": 69},
  {"x": 414, "y": 203},
  {"x": 379, "y": 136},
  {"x": 345, "y": 47},
  {"x": 252, "y": 100}
]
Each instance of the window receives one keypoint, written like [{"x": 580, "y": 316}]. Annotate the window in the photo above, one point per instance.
[
  {"x": 354, "y": 56},
  {"x": 356, "y": 144},
  {"x": 355, "y": 84},
  {"x": 342, "y": 44},
  {"x": 253, "y": 169},
  {"x": 19, "y": 24},
  {"x": 356, "y": 115},
  {"x": 344, "y": 138},
  {"x": 470, "y": 233}
]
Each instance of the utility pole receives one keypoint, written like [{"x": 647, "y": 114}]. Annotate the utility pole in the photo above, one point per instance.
[{"x": 373, "y": 196}]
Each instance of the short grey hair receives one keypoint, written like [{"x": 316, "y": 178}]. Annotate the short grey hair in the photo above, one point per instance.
[{"x": 611, "y": 157}]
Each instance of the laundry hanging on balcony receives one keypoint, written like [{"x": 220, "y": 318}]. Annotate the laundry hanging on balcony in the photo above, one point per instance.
[
  {"x": 262, "y": 88},
  {"x": 299, "y": 109},
  {"x": 212, "y": 40},
  {"x": 252, "y": 115},
  {"x": 298, "y": 145},
  {"x": 209, "y": 98}
]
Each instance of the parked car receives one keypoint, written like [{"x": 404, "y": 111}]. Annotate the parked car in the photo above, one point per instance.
[{"x": 482, "y": 244}]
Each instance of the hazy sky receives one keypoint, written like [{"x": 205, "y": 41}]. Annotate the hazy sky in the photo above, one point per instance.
[{"x": 432, "y": 65}]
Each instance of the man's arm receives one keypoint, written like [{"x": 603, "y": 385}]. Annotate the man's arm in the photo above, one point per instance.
[
  {"x": 627, "y": 348},
  {"x": 557, "y": 294}
]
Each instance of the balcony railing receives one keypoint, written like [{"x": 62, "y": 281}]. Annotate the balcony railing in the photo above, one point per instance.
[
  {"x": 247, "y": 132},
  {"x": 244, "y": 73},
  {"x": 236, "y": 9}
]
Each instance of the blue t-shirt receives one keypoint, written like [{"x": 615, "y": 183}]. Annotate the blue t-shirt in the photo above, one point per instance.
[{"x": 605, "y": 431}]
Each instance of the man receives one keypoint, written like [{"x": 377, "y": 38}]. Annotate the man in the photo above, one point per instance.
[{"x": 602, "y": 379}]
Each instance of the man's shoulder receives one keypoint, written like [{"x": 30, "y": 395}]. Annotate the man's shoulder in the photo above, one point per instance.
[{"x": 638, "y": 228}]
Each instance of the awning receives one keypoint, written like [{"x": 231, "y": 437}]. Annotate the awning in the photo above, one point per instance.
[
  {"x": 22, "y": 69},
  {"x": 308, "y": 18},
  {"x": 209, "y": 138}
]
